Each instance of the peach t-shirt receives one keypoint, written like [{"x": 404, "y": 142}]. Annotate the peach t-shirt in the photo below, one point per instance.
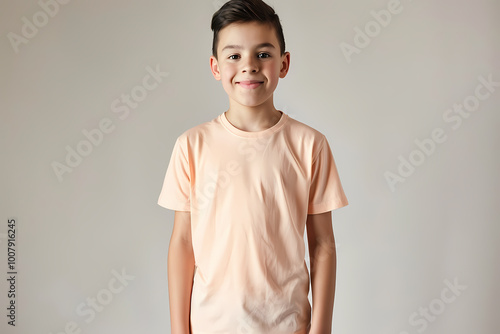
[{"x": 249, "y": 194}]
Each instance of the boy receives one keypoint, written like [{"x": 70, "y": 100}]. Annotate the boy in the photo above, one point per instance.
[{"x": 244, "y": 186}]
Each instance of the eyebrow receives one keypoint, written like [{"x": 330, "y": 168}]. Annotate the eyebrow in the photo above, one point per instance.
[{"x": 262, "y": 45}]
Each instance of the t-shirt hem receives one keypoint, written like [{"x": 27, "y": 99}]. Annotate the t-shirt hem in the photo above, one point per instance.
[
  {"x": 304, "y": 330},
  {"x": 325, "y": 207},
  {"x": 174, "y": 206}
]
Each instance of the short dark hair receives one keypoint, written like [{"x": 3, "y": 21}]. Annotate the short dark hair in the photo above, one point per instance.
[{"x": 235, "y": 11}]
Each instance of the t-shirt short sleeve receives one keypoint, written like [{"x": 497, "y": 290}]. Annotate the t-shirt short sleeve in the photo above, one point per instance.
[
  {"x": 326, "y": 192},
  {"x": 175, "y": 193}
]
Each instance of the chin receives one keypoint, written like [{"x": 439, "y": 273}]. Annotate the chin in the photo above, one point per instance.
[{"x": 251, "y": 104}]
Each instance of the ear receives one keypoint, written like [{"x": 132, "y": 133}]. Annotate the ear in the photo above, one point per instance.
[
  {"x": 285, "y": 64},
  {"x": 214, "y": 67}
]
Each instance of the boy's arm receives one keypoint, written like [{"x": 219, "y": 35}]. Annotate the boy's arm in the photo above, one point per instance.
[
  {"x": 323, "y": 259},
  {"x": 180, "y": 273}
]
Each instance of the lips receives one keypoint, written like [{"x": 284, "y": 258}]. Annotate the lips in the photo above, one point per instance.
[{"x": 250, "y": 84}]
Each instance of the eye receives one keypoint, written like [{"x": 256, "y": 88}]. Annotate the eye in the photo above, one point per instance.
[
  {"x": 264, "y": 55},
  {"x": 233, "y": 57}
]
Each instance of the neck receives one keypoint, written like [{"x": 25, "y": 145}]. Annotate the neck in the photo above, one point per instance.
[{"x": 253, "y": 119}]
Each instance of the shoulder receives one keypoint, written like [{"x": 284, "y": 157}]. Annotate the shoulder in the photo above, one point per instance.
[
  {"x": 200, "y": 131},
  {"x": 304, "y": 133},
  {"x": 308, "y": 141}
]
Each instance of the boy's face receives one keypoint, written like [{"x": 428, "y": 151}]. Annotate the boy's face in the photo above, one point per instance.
[{"x": 249, "y": 63}]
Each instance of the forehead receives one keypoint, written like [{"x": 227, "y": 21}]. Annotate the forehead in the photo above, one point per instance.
[{"x": 247, "y": 35}]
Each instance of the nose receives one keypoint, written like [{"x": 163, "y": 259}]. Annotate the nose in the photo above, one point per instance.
[{"x": 250, "y": 66}]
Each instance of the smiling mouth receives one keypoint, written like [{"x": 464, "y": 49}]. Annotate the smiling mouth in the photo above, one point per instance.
[{"x": 250, "y": 84}]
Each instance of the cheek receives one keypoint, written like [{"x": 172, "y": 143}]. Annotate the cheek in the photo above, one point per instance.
[
  {"x": 227, "y": 73},
  {"x": 274, "y": 71},
  {"x": 274, "y": 67},
  {"x": 226, "y": 80},
  {"x": 227, "y": 76}
]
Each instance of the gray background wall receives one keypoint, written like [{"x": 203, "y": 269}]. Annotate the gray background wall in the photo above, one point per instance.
[{"x": 400, "y": 247}]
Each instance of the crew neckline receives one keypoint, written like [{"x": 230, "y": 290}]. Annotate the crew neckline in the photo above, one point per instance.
[{"x": 253, "y": 134}]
